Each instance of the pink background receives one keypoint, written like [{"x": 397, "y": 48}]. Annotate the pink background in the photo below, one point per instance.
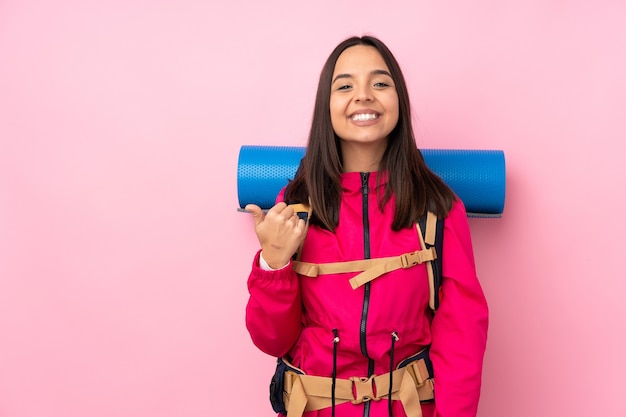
[{"x": 123, "y": 260}]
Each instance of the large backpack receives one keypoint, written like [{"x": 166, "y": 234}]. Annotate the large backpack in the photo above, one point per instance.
[{"x": 430, "y": 233}]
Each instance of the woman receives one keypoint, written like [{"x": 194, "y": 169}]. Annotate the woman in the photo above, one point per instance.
[{"x": 366, "y": 186}]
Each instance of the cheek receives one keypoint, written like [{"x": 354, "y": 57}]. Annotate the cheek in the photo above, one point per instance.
[
  {"x": 394, "y": 110},
  {"x": 335, "y": 107},
  {"x": 336, "y": 112},
  {"x": 396, "y": 116}
]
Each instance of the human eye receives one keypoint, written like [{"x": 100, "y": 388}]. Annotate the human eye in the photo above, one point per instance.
[
  {"x": 343, "y": 87},
  {"x": 382, "y": 82}
]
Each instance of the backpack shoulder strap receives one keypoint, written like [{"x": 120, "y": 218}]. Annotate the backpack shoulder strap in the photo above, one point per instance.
[
  {"x": 430, "y": 232},
  {"x": 303, "y": 211},
  {"x": 430, "y": 228}
]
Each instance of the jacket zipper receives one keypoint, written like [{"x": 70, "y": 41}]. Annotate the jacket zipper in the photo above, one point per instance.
[{"x": 366, "y": 297}]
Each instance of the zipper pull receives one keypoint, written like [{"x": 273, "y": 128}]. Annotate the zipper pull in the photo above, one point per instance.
[{"x": 364, "y": 182}]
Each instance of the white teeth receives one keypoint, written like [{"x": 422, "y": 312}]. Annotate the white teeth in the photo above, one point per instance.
[{"x": 364, "y": 117}]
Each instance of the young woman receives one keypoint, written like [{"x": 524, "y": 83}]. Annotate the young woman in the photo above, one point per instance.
[{"x": 349, "y": 345}]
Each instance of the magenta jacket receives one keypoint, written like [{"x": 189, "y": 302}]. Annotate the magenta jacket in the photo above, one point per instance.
[{"x": 295, "y": 315}]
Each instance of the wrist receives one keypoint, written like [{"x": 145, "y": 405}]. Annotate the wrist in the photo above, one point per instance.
[{"x": 271, "y": 264}]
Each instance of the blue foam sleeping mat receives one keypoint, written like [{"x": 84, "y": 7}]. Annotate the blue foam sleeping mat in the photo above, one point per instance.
[{"x": 478, "y": 177}]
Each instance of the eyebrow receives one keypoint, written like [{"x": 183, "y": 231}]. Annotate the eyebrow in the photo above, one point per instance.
[{"x": 375, "y": 72}]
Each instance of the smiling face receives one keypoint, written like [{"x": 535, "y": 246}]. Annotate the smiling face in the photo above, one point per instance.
[{"x": 363, "y": 99}]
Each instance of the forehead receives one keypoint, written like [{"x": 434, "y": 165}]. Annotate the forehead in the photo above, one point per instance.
[{"x": 359, "y": 58}]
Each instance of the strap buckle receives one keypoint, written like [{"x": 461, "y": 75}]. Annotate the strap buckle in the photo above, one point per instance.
[
  {"x": 363, "y": 389},
  {"x": 409, "y": 260}
]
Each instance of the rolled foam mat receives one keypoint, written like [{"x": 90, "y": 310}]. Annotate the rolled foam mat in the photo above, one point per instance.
[{"x": 478, "y": 177}]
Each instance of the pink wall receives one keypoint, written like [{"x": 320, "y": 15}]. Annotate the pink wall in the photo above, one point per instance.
[{"x": 123, "y": 261}]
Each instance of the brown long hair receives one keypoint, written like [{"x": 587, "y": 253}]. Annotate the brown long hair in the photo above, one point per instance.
[{"x": 416, "y": 187}]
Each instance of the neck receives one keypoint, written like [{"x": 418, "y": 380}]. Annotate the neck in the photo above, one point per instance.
[{"x": 362, "y": 157}]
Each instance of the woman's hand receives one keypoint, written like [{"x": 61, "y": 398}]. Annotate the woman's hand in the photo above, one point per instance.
[{"x": 280, "y": 232}]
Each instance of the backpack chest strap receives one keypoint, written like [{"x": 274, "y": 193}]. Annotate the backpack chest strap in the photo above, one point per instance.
[{"x": 370, "y": 268}]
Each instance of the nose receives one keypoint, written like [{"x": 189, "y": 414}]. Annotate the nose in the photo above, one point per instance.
[{"x": 363, "y": 93}]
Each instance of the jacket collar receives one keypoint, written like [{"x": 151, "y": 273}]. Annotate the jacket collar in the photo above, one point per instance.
[{"x": 352, "y": 181}]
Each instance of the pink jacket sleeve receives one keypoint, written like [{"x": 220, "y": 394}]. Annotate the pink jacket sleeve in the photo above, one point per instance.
[
  {"x": 459, "y": 328},
  {"x": 273, "y": 313}
]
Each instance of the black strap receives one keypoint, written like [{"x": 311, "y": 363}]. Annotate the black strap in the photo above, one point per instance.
[{"x": 437, "y": 263}]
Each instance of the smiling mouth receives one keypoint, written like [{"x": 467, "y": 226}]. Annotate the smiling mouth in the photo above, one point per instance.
[{"x": 362, "y": 117}]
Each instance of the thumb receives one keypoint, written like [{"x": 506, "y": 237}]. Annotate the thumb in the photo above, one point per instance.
[{"x": 257, "y": 213}]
